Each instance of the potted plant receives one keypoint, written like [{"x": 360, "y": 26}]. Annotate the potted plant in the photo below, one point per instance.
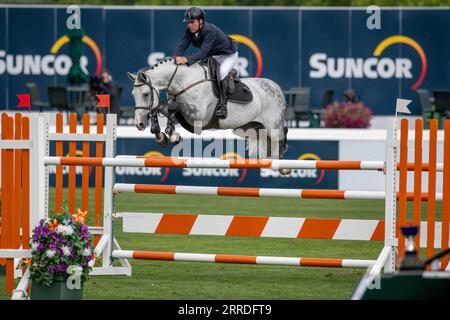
[
  {"x": 349, "y": 114},
  {"x": 61, "y": 257}
]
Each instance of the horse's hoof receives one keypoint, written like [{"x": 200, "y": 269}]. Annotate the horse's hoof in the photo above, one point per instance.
[
  {"x": 285, "y": 172},
  {"x": 169, "y": 130},
  {"x": 162, "y": 139},
  {"x": 155, "y": 130},
  {"x": 175, "y": 138}
]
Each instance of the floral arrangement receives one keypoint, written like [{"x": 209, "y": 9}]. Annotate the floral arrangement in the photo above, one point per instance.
[
  {"x": 347, "y": 115},
  {"x": 61, "y": 247}
]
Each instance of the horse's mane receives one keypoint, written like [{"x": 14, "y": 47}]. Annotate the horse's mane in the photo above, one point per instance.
[
  {"x": 159, "y": 63},
  {"x": 168, "y": 59}
]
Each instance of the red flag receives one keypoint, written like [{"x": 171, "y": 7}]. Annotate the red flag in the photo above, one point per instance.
[
  {"x": 24, "y": 101},
  {"x": 104, "y": 101}
]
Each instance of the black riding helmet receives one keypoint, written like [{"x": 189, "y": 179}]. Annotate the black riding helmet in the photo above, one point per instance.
[{"x": 194, "y": 13}]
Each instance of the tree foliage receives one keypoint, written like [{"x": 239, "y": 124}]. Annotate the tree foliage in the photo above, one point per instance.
[{"x": 331, "y": 3}]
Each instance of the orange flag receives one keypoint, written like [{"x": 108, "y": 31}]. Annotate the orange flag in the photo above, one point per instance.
[{"x": 103, "y": 101}]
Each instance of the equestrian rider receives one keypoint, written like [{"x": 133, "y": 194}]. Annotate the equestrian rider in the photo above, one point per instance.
[{"x": 212, "y": 42}]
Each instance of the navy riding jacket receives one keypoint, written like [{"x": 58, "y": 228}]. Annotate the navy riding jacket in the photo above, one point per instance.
[{"x": 211, "y": 41}]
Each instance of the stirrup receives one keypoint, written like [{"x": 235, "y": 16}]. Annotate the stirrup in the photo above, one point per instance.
[{"x": 221, "y": 112}]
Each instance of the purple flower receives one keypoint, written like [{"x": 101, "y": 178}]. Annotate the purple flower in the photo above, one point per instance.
[
  {"x": 40, "y": 231},
  {"x": 61, "y": 266}
]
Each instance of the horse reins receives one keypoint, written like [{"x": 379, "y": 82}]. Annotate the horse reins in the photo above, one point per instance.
[{"x": 173, "y": 96}]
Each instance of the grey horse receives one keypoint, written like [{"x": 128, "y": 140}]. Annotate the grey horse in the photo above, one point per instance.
[{"x": 190, "y": 86}]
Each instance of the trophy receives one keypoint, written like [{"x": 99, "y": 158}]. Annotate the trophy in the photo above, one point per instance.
[{"x": 411, "y": 261}]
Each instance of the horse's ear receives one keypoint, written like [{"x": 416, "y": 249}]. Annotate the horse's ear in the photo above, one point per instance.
[
  {"x": 132, "y": 76},
  {"x": 143, "y": 77}
]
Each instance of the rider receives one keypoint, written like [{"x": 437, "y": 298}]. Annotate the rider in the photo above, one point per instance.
[{"x": 212, "y": 42}]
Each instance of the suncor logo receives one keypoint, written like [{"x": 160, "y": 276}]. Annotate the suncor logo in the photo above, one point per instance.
[
  {"x": 49, "y": 64},
  {"x": 163, "y": 173},
  {"x": 239, "y": 174},
  {"x": 314, "y": 174},
  {"x": 370, "y": 68}
]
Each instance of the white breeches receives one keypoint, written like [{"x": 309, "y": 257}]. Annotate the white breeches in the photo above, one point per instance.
[{"x": 227, "y": 62}]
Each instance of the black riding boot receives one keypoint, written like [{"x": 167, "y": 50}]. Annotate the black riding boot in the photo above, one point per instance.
[{"x": 221, "y": 109}]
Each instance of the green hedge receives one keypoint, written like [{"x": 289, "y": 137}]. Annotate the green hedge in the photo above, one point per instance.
[{"x": 380, "y": 3}]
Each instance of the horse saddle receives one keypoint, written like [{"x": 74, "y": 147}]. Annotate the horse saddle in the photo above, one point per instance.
[{"x": 238, "y": 91}]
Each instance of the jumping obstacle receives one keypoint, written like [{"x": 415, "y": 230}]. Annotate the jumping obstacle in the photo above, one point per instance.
[
  {"x": 240, "y": 259},
  {"x": 14, "y": 236},
  {"x": 264, "y": 227},
  {"x": 241, "y": 163},
  {"x": 261, "y": 192}
]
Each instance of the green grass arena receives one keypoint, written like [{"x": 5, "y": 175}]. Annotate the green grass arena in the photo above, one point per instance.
[{"x": 189, "y": 280}]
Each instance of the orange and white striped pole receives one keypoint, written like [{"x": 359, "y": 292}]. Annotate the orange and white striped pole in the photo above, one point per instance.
[
  {"x": 242, "y": 259},
  {"x": 174, "y": 162},
  {"x": 258, "y": 192}
]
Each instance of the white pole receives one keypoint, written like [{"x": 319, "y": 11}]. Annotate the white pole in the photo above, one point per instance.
[
  {"x": 38, "y": 170},
  {"x": 392, "y": 146},
  {"x": 108, "y": 204}
]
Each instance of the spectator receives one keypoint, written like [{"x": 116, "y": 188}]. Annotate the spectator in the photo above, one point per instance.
[{"x": 106, "y": 85}]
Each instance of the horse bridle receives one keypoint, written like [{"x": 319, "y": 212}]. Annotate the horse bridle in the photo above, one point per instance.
[
  {"x": 173, "y": 96},
  {"x": 149, "y": 107}
]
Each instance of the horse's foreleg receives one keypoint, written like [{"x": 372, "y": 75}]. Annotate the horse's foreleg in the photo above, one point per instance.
[
  {"x": 282, "y": 149},
  {"x": 160, "y": 137},
  {"x": 175, "y": 137},
  {"x": 154, "y": 124}
]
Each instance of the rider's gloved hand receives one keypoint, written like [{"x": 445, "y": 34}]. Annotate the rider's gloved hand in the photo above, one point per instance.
[{"x": 180, "y": 60}]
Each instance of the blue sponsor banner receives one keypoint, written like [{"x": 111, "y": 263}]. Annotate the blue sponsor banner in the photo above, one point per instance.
[
  {"x": 3, "y": 77},
  {"x": 265, "y": 178},
  {"x": 310, "y": 47},
  {"x": 218, "y": 148},
  {"x": 363, "y": 44},
  {"x": 429, "y": 29}
]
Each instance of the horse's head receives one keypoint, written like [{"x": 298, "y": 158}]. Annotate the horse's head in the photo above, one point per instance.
[{"x": 146, "y": 98}]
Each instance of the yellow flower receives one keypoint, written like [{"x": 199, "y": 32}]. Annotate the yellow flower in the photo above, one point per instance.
[
  {"x": 27, "y": 262},
  {"x": 53, "y": 225},
  {"x": 80, "y": 216}
]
